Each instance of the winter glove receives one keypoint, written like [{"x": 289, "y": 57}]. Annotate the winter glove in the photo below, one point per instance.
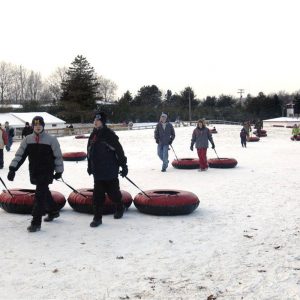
[
  {"x": 124, "y": 171},
  {"x": 213, "y": 146},
  {"x": 192, "y": 147},
  {"x": 157, "y": 141},
  {"x": 11, "y": 175},
  {"x": 57, "y": 175},
  {"x": 171, "y": 141}
]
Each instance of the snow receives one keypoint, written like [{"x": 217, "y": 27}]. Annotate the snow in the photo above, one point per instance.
[{"x": 241, "y": 243}]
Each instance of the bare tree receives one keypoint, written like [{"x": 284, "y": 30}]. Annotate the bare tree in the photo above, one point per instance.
[
  {"x": 34, "y": 86},
  {"x": 107, "y": 89},
  {"x": 54, "y": 82},
  {"x": 6, "y": 78}
]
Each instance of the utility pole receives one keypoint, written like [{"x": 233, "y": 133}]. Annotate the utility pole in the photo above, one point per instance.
[{"x": 241, "y": 92}]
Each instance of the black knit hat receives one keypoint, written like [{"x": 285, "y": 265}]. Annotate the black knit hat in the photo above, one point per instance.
[
  {"x": 101, "y": 116},
  {"x": 38, "y": 120}
]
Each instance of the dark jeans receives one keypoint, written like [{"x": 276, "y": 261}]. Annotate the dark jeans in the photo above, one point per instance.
[
  {"x": 9, "y": 143},
  {"x": 43, "y": 203},
  {"x": 112, "y": 188},
  {"x": 1, "y": 159}
]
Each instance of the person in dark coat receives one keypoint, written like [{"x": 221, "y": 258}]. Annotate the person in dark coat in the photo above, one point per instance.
[
  {"x": 3, "y": 142},
  {"x": 105, "y": 156},
  {"x": 243, "y": 136},
  {"x": 10, "y": 131},
  {"x": 201, "y": 135},
  {"x": 26, "y": 130},
  {"x": 45, "y": 158},
  {"x": 164, "y": 135}
]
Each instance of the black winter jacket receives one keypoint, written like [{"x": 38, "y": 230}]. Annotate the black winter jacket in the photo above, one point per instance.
[
  {"x": 44, "y": 156},
  {"x": 105, "y": 154}
]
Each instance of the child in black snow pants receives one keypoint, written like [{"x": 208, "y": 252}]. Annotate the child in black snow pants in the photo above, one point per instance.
[{"x": 243, "y": 135}]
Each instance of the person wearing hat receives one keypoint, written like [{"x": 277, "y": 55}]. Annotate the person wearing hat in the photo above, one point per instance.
[
  {"x": 26, "y": 130},
  {"x": 45, "y": 158},
  {"x": 164, "y": 134},
  {"x": 200, "y": 137},
  {"x": 105, "y": 156}
]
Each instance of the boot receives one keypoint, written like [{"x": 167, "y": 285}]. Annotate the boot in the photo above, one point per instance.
[
  {"x": 96, "y": 222},
  {"x": 119, "y": 211},
  {"x": 34, "y": 228},
  {"x": 35, "y": 224},
  {"x": 51, "y": 216}
]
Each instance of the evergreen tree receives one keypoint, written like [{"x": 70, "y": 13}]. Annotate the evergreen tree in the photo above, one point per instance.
[{"x": 80, "y": 86}]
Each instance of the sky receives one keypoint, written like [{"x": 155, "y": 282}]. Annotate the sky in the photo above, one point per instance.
[{"x": 216, "y": 47}]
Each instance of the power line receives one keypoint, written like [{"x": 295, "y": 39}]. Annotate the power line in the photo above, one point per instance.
[{"x": 241, "y": 92}]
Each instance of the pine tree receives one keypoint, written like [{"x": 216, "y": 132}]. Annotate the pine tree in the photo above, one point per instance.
[{"x": 80, "y": 86}]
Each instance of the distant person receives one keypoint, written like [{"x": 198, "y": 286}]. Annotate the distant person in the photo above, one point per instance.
[
  {"x": 248, "y": 129},
  {"x": 105, "y": 157},
  {"x": 10, "y": 134},
  {"x": 27, "y": 130},
  {"x": 3, "y": 142},
  {"x": 201, "y": 136},
  {"x": 45, "y": 158},
  {"x": 295, "y": 132},
  {"x": 130, "y": 125},
  {"x": 164, "y": 135},
  {"x": 258, "y": 127},
  {"x": 243, "y": 136}
]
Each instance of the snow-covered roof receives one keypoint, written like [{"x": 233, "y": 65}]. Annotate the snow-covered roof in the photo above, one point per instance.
[
  {"x": 11, "y": 119},
  {"x": 48, "y": 118},
  {"x": 283, "y": 119},
  {"x": 19, "y": 119}
]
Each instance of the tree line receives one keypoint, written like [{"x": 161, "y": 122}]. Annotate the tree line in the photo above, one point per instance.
[{"x": 75, "y": 93}]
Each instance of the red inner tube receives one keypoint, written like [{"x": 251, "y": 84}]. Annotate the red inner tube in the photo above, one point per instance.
[
  {"x": 74, "y": 156},
  {"x": 166, "y": 202},
  {"x": 22, "y": 200},
  {"x": 222, "y": 163},
  {"x": 83, "y": 202},
  {"x": 186, "y": 163},
  {"x": 82, "y": 136},
  {"x": 253, "y": 139}
]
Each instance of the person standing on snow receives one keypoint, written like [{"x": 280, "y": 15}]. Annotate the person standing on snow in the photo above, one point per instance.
[
  {"x": 201, "y": 136},
  {"x": 243, "y": 136},
  {"x": 10, "y": 134},
  {"x": 45, "y": 157},
  {"x": 295, "y": 132},
  {"x": 3, "y": 142},
  {"x": 164, "y": 135},
  {"x": 26, "y": 130},
  {"x": 105, "y": 156}
]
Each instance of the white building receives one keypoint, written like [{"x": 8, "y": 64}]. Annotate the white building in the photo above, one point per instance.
[{"x": 18, "y": 120}]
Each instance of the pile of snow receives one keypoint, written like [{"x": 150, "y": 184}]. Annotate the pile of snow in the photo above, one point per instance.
[{"x": 241, "y": 243}]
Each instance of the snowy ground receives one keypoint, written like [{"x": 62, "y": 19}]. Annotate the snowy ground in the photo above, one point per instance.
[{"x": 242, "y": 242}]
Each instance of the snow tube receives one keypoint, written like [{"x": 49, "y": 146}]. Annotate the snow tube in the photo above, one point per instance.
[
  {"x": 213, "y": 131},
  {"x": 253, "y": 139},
  {"x": 74, "y": 156},
  {"x": 166, "y": 202},
  {"x": 21, "y": 201},
  {"x": 81, "y": 136},
  {"x": 295, "y": 139},
  {"x": 222, "y": 163},
  {"x": 83, "y": 202},
  {"x": 186, "y": 163}
]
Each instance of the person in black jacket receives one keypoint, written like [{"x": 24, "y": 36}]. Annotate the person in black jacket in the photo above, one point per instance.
[
  {"x": 26, "y": 130},
  {"x": 45, "y": 157},
  {"x": 105, "y": 156}
]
